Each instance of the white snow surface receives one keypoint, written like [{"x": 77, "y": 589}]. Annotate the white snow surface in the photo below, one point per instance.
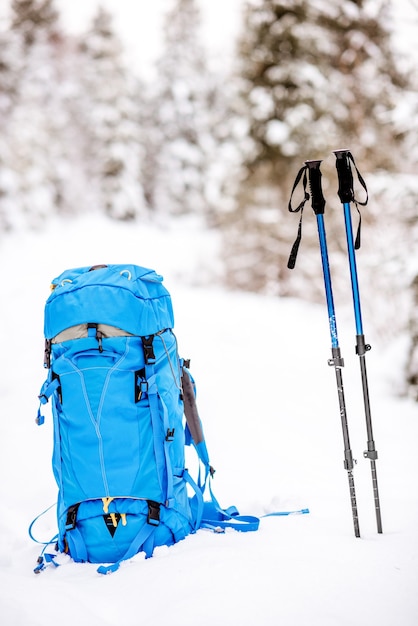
[{"x": 269, "y": 405}]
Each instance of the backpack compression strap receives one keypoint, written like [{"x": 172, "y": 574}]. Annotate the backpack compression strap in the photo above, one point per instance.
[
  {"x": 162, "y": 454},
  {"x": 208, "y": 514},
  {"x": 141, "y": 540}
]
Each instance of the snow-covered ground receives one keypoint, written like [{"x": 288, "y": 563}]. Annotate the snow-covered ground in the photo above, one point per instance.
[{"x": 269, "y": 405}]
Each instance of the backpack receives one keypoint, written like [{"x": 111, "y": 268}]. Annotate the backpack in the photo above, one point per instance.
[{"x": 123, "y": 407}]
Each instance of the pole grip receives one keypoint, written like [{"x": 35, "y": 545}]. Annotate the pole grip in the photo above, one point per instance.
[
  {"x": 315, "y": 184},
  {"x": 345, "y": 176}
]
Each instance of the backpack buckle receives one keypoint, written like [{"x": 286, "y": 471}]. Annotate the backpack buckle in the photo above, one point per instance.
[
  {"x": 71, "y": 521},
  {"x": 141, "y": 384},
  {"x": 170, "y": 434},
  {"x": 47, "y": 354},
  {"x": 153, "y": 516},
  {"x": 149, "y": 355}
]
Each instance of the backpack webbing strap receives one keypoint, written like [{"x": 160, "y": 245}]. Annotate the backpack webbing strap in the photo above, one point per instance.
[
  {"x": 32, "y": 524},
  {"x": 46, "y": 392},
  {"x": 45, "y": 559},
  {"x": 197, "y": 503},
  {"x": 217, "y": 518},
  {"x": 162, "y": 455},
  {"x": 141, "y": 540},
  {"x": 76, "y": 545},
  {"x": 48, "y": 389},
  {"x": 210, "y": 515},
  {"x": 207, "y": 514}
]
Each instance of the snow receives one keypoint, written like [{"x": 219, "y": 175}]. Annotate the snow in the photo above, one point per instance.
[{"x": 269, "y": 405}]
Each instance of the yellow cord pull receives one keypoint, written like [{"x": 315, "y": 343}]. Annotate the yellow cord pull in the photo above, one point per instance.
[
  {"x": 114, "y": 519},
  {"x": 106, "y": 502}
]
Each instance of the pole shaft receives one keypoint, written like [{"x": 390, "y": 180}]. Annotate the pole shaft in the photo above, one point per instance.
[
  {"x": 371, "y": 452},
  {"x": 353, "y": 503},
  {"x": 361, "y": 348},
  {"x": 327, "y": 281},
  {"x": 338, "y": 363},
  {"x": 346, "y": 195},
  {"x": 353, "y": 268}
]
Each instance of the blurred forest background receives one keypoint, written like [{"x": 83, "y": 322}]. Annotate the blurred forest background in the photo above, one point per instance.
[{"x": 82, "y": 131}]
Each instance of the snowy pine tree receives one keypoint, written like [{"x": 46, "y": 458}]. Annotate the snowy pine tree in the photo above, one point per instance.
[
  {"x": 409, "y": 116},
  {"x": 37, "y": 129},
  {"x": 110, "y": 110},
  {"x": 412, "y": 361},
  {"x": 33, "y": 17},
  {"x": 183, "y": 142},
  {"x": 313, "y": 77},
  {"x": 10, "y": 67}
]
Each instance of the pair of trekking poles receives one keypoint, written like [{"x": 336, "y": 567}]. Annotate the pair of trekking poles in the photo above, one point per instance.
[{"x": 311, "y": 172}]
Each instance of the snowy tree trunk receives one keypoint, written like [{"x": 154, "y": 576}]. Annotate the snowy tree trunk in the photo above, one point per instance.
[{"x": 412, "y": 366}]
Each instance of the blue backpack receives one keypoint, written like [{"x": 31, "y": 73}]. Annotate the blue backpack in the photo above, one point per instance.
[{"x": 123, "y": 406}]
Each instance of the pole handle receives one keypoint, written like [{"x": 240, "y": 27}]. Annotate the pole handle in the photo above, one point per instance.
[
  {"x": 317, "y": 200},
  {"x": 344, "y": 158},
  {"x": 315, "y": 185},
  {"x": 345, "y": 176}
]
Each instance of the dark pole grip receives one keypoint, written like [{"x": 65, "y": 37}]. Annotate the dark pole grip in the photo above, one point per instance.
[
  {"x": 315, "y": 184},
  {"x": 345, "y": 176}
]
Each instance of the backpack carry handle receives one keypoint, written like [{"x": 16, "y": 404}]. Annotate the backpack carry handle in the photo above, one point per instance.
[{"x": 97, "y": 267}]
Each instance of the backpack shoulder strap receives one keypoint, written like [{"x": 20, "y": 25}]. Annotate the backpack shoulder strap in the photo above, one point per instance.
[
  {"x": 194, "y": 432},
  {"x": 207, "y": 514}
]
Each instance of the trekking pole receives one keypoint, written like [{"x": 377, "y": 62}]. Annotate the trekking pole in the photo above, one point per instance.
[
  {"x": 346, "y": 194},
  {"x": 318, "y": 206}
]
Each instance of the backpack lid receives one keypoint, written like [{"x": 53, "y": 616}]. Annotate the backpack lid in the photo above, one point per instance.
[{"x": 129, "y": 297}]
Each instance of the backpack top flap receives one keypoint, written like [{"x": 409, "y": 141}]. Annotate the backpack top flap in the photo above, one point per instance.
[{"x": 126, "y": 296}]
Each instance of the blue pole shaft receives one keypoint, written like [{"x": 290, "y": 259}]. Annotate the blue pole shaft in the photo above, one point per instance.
[
  {"x": 353, "y": 268},
  {"x": 338, "y": 362},
  {"x": 327, "y": 281}
]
